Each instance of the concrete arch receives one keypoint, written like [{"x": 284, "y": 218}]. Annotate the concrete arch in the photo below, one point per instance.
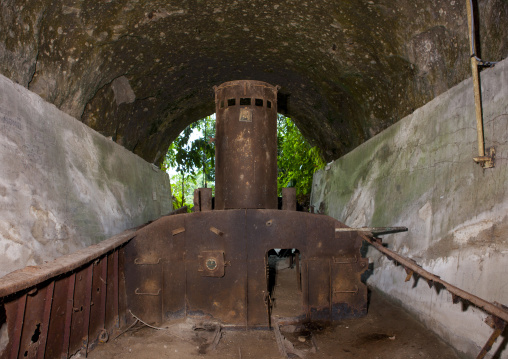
[{"x": 140, "y": 72}]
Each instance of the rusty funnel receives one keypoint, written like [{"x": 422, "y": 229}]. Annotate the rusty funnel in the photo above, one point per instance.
[{"x": 246, "y": 145}]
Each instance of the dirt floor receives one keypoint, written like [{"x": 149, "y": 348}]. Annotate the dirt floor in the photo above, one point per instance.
[{"x": 386, "y": 332}]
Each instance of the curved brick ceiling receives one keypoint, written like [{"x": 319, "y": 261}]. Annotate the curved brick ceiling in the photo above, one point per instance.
[{"x": 141, "y": 71}]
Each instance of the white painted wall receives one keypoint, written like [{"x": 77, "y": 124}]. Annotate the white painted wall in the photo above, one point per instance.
[
  {"x": 419, "y": 173},
  {"x": 63, "y": 186}
]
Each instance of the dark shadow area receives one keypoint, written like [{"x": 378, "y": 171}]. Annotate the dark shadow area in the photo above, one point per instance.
[
  {"x": 37, "y": 333},
  {"x": 3, "y": 316},
  {"x": 283, "y": 278},
  {"x": 4, "y": 338},
  {"x": 502, "y": 346},
  {"x": 283, "y": 102},
  {"x": 476, "y": 15},
  {"x": 368, "y": 272}
]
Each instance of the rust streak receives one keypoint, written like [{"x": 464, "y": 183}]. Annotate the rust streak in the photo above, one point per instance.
[
  {"x": 45, "y": 322},
  {"x": 18, "y": 328},
  {"x": 178, "y": 231},
  {"x": 216, "y": 231},
  {"x": 68, "y": 314}
]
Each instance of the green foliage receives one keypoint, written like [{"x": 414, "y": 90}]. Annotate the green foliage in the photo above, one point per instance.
[
  {"x": 297, "y": 160},
  {"x": 186, "y": 183},
  {"x": 194, "y": 160}
]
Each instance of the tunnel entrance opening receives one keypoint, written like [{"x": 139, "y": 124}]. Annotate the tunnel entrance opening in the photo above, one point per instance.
[
  {"x": 284, "y": 283},
  {"x": 190, "y": 159}
]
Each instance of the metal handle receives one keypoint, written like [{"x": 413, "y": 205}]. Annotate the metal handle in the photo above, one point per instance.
[
  {"x": 137, "y": 292},
  {"x": 337, "y": 261},
  {"x": 140, "y": 262},
  {"x": 347, "y": 291}
]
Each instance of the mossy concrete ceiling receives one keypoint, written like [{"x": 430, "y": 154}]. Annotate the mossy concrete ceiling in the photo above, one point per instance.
[{"x": 141, "y": 71}]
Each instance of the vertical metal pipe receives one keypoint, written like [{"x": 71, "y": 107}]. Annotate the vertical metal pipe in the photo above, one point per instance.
[
  {"x": 289, "y": 199},
  {"x": 246, "y": 145},
  {"x": 476, "y": 79},
  {"x": 202, "y": 199}
]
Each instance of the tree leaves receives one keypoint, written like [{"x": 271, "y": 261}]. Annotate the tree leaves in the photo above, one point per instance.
[
  {"x": 296, "y": 159},
  {"x": 194, "y": 160}
]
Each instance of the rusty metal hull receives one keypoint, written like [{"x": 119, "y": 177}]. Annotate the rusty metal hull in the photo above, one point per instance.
[
  {"x": 246, "y": 145},
  {"x": 211, "y": 263},
  {"x": 207, "y": 264},
  {"x": 168, "y": 277}
]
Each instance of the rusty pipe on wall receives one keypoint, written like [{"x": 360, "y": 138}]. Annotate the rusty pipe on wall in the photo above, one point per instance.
[{"x": 485, "y": 160}]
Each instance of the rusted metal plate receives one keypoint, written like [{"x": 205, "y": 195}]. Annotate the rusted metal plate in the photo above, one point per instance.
[
  {"x": 211, "y": 263},
  {"x": 144, "y": 271},
  {"x": 174, "y": 283},
  {"x": 69, "y": 309},
  {"x": 123, "y": 317},
  {"x": 318, "y": 289},
  {"x": 349, "y": 296},
  {"x": 265, "y": 230},
  {"x": 165, "y": 281},
  {"x": 98, "y": 304},
  {"x": 48, "y": 302},
  {"x": 174, "y": 287},
  {"x": 15, "y": 313},
  {"x": 313, "y": 236},
  {"x": 202, "y": 199},
  {"x": 33, "y": 323},
  {"x": 111, "y": 315},
  {"x": 56, "y": 329},
  {"x": 246, "y": 145},
  {"x": 221, "y": 297},
  {"x": 237, "y": 295},
  {"x": 81, "y": 310}
]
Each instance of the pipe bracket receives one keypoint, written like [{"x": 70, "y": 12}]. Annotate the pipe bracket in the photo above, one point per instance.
[{"x": 487, "y": 161}]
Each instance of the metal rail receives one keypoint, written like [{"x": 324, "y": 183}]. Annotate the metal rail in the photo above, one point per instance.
[
  {"x": 376, "y": 230},
  {"x": 30, "y": 276},
  {"x": 498, "y": 312}
]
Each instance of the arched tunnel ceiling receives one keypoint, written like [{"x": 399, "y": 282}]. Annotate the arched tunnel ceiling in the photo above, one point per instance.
[{"x": 141, "y": 71}]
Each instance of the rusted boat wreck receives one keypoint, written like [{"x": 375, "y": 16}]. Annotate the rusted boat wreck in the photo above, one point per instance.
[{"x": 211, "y": 263}]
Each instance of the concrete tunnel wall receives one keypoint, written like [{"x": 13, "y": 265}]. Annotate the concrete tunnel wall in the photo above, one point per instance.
[
  {"x": 420, "y": 173},
  {"x": 64, "y": 186}
]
